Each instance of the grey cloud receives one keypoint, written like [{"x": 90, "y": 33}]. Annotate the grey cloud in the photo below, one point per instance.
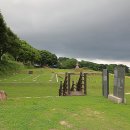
[{"x": 96, "y": 29}]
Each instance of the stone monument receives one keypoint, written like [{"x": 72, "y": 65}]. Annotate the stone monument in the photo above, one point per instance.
[
  {"x": 77, "y": 66},
  {"x": 119, "y": 84},
  {"x": 105, "y": 83}
]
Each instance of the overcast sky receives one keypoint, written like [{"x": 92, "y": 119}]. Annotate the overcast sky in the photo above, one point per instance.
[{"x": 96, "y": 30}]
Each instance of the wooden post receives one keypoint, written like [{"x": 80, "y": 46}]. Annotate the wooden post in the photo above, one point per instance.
[
  {"x": 60, "y": 90},
  {"x": 72, "y": 88},
  {"x": 68, "y": 83},
  {"x": 65, "y": 85},
  {"x": 85, "y": 83}
]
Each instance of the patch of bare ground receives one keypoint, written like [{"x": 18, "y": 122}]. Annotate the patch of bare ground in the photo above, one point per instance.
[
  {"x": 65, "y": 123},
  {"x": 93, "y": 114},
  {"x": 75, "y": 115}
]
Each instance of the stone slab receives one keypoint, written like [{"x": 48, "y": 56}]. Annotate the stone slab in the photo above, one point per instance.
[
  {"x": 105, "y": 83},
  {"x": 119, "y": 81},
  {"x": 115, "y": 99},
  {"x": 76, "y": 93}
]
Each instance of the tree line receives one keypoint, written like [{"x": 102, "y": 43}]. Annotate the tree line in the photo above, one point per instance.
[
  {"x": 13, "y": 48},
  {"x": 69, "y": 63}
]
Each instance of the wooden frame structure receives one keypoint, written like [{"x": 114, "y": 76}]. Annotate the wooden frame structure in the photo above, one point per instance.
[{"x": 78, "y": 89}]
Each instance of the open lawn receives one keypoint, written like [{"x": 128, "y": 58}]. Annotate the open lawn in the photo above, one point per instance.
[{"x": 33, "y": 104}]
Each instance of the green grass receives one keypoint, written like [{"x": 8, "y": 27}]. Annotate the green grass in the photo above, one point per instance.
[
  {"x": 7, "y": 68},
  {"x": 33, "y": 104},
  {"x": 78, "y": 113}
]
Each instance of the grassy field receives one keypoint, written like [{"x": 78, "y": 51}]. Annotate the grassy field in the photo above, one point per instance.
[{"x": 33, "y": 104}]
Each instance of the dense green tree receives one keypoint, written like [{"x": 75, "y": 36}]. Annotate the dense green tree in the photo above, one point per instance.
[
  {"x": 7, "y": 57},
  {"x": 14, "y": 44},
  {"x": 48, "y": 59},
  {"x": 3, "y": 37},
  {"x": 90, "y": 65},
  {"x": 9, "y": 42},
  {"x": 60, "y": 59},
  {"x": 28, "y": 54},
  {"x": 66, "y": 63}
]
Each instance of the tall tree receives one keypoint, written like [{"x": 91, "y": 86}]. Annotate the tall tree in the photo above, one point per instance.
[
  {"x": 28, "y": 54},
  {"x": 66, "y": 63},
  {"x": 47, "y": 58},
  {"x": 14, "y": 44},
  {"x": 3, "y": 37}
]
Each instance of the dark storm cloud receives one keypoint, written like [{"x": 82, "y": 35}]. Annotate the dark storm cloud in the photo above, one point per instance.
[{"x": 94, "y": 29}]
